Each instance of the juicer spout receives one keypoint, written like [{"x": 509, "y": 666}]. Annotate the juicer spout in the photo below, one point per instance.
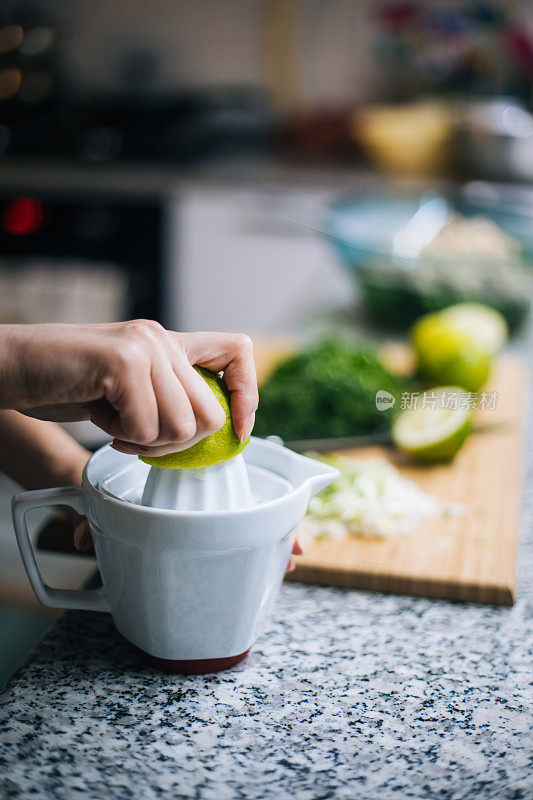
[{"x": 323, "y": 478}]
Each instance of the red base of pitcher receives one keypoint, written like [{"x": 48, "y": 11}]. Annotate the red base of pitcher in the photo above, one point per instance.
[{"x": 199, "y": 666}]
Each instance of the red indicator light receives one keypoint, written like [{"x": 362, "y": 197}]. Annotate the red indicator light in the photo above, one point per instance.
[{"x": 22, "y": 216}]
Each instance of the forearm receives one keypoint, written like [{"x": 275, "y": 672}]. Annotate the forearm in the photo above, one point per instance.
[
  {"x": 45, "y": 365},
  {"x": 10, "y": 380},
  {"x": 39, "y": 454}
]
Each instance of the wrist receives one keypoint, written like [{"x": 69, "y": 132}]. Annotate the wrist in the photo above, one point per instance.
[
  {"x": 60, "y": 469},
  {"x": 38, "y": 454}
]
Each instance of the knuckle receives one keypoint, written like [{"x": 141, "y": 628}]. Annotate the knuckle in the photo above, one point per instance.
[
  {"x": 144, "y": 328},
  {"x": 210, "y": 416},
  {"x": 107, "y": 385},
  {"x": 215, "y": 419},
  {"x": 182, "y": 430},
  {"x": 219, "y": 416},
  {"x": 144, "y": 432},
  {"x": 153, "y": 326},
  {"x": 243, "y": 342}
]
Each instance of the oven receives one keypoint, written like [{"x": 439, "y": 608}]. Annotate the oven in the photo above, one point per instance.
[{"x": 79, "y": 256}]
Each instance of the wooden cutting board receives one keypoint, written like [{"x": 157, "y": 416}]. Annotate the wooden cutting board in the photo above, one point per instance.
[{"x": 470, "y": 557}]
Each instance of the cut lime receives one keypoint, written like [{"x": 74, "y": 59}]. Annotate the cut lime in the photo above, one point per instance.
[
  {"x": 216, "y": 447},
  {"x": 485, "y": 327},
  {"x": 437, "y": 427}
]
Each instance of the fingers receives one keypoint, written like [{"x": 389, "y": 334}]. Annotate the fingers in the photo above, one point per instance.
[
  {"x": 208, "y": 413},
  {"x": 188, "y": 410},
  {"x": 152, "y": 450},
  {"x": 232, "y": 353},
  {"x": 297, "y": 549},
  {"x": 82, "y": 536},
  {"x": 177, "y": 420},
  {"x": 146, "y": 404},
  {"x": 130, "y": 409}
]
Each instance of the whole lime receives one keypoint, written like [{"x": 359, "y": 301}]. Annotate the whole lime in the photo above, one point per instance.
[
  {"x": 448, "y": 355},
  {"x": 212, "y": 449},
  {"x": 484, "y": 326}
]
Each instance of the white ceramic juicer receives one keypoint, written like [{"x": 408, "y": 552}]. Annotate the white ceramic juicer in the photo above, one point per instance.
[
  {"x": 223, "y": 486},
  {"x": 191, "y": 560}
]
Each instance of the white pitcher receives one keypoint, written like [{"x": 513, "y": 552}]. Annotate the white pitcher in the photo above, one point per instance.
[{"x": 191, "y": 590}]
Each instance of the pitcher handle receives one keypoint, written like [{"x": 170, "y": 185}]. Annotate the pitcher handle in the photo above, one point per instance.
[{"x": 85, "y": 599}]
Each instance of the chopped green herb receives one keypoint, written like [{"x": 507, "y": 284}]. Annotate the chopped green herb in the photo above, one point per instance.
[{"x": 328, "y": 390}]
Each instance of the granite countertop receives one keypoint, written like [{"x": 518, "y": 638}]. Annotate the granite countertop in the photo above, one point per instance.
[{"x": 347, "y": 694}]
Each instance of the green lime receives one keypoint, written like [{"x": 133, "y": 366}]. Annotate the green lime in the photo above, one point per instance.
[
  {"x": 435, "y": 429},
  {"x": 216, "y": 447},
  {"x": 485, "y": 327},
  {"x": 448, "y": 355}
]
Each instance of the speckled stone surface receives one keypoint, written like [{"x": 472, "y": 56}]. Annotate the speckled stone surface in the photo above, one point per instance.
[{"x": 347, "y": 695}]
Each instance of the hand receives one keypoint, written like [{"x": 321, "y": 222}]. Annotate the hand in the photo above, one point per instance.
[
  {"x": 297, "y": 550},
  {"x": 135, "y": 380}
]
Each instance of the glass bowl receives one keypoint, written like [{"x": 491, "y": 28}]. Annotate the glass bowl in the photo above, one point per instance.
[{"x": 384, "y": 240}]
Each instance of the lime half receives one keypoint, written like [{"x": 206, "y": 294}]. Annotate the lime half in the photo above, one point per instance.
[
  {"x": 435, "y": 429},
  {"x": 212, "y": 449}
]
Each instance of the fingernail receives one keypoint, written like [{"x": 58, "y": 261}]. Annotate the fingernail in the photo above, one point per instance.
[
  {"x": 120, "y": 448},
  {"x": 128, "y": 449},
  {"x": 248, "y": 429},
  {"x": 298, "y": 549}
]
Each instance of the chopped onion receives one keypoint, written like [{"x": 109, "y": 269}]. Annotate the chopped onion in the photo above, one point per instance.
[{"x": 370, "y": 498}]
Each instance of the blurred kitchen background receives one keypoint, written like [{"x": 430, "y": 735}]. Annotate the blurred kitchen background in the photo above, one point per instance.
[{"x": 279, "y": 167}]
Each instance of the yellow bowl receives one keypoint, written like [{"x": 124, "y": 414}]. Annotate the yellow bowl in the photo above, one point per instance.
[{"x": 410, "y": 139}]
